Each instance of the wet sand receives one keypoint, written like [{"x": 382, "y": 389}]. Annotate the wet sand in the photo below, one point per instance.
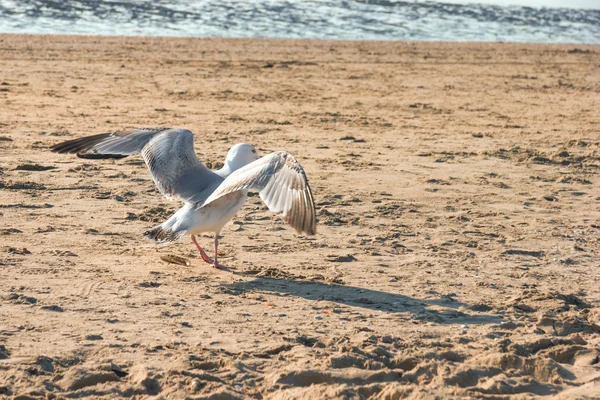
[{"x": 457, "y": 248}]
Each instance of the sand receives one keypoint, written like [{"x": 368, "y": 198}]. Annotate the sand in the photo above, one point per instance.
[{"x": 457, "y": 253}]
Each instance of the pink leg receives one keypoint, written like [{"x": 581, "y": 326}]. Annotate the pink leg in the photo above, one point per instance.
[
  {"x": 204, "y": 256},
  {"x": 216, "y": 263}
]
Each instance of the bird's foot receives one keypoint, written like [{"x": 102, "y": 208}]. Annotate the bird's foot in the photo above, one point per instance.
[
  {"x": 203, "y": 254},
  {"x": 206, "y": 258},
  {"x": 222, "y": 267}
]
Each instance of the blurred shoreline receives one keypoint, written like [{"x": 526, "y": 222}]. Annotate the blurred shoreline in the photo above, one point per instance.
[
  {"x": 77, "y": 36},
  {"x": 328, "y": 19}
]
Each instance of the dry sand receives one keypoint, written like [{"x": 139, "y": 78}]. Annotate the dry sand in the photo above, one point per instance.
[{"x": 457, "y": 252}]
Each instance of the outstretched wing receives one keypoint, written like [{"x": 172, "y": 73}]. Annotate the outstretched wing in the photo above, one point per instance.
[
  {"x": 121, "y": 143},
  {"x": 283, "y": 187},
  {"x": 169, "y": 154}
]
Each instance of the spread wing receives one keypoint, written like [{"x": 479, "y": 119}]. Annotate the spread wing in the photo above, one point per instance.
[
  {"x": 283, "y": 187},
  {"x": 169, "y": 154}
]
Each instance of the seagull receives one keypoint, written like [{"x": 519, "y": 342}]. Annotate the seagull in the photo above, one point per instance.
[{"x": 210, "y": 198}]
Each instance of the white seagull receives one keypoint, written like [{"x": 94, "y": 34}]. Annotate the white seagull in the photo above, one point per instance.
[{"x": 211, "y": 198}]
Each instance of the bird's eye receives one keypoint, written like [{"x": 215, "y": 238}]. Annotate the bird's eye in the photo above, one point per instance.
[{"x": 254, "y": 151}]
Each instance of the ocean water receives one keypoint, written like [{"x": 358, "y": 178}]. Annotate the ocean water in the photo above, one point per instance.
[{"x": 326, "y": 19}]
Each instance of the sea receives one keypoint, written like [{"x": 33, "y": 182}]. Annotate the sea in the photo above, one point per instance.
[{"x": 534, "y": 21}]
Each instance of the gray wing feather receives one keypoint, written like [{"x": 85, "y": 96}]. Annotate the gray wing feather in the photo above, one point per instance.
[
  {"x": 169, "y": 154},
  {"x": 115, "y": 143},
  {"x": 283, "y": 187}
]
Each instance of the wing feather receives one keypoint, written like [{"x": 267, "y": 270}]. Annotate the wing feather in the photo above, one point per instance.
[
  {"x": 168, "y": 153},
  {"x": 283, "y": 187},
  {"x": 303, "y": 211}
]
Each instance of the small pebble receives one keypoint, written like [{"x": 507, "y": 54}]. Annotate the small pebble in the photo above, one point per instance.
[
  {"x": 318, "y": 317},
  {"x": 196, "y": 385}
]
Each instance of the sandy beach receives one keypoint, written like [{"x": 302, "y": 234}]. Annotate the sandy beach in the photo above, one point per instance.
[{"x": 457, "y": 253}]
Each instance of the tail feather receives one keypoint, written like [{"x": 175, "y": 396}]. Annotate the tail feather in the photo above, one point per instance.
[
  {"x": 172, "y": 229},
  {"x": 163, "y": 234}
]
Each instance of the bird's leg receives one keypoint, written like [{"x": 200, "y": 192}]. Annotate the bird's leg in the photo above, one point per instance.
[
  {"x": 216, "y": 263},
  {"x": 203, "y": 254}
]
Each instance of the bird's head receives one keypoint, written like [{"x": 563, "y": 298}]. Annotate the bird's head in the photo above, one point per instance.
[{"x": 239, "y": 156}]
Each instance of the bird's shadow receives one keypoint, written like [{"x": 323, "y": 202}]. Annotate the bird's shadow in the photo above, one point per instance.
[{"x": 445, "y": 310}]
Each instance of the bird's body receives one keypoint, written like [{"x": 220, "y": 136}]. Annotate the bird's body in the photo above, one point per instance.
[
  {"x": 195, "y": 220},
  {"x": 211, "y": 198},
  {"x": 214, "y": 216}
]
